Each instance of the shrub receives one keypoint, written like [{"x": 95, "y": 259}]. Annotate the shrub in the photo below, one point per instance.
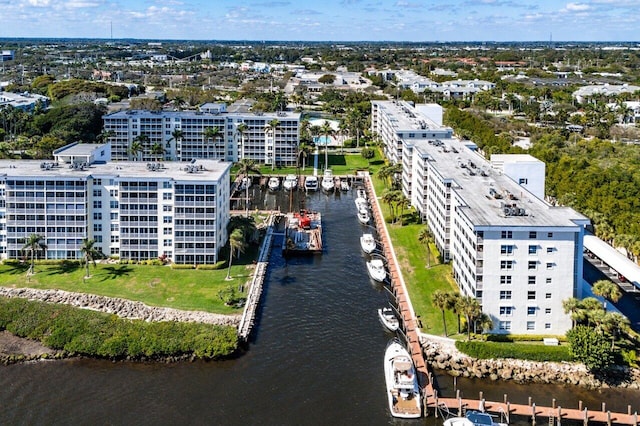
[
  {"x": 488, "y": 350},
  {"x": 212, "y": 267},
  {"x": 590, "y": 348},
  {"x": 182, "y": 266}
]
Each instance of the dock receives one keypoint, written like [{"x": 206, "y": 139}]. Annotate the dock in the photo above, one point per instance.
[{"x": 302, "y": 233}]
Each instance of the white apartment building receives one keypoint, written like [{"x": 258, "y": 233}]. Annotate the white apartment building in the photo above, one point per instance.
[
  {"x": 132, "y": 209},
  {"x": 517, "y": 255},
  {"x": 277, "y": 147}
]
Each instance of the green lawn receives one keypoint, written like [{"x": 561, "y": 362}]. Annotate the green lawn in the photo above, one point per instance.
[{"x": 153, "y": 285}]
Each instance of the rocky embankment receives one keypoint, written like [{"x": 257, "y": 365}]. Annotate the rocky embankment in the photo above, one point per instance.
[
  {"x": 121, "y": 307},
  {"x": 444, "y": 356}
]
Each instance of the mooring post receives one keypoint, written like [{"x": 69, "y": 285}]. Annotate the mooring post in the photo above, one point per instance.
[
  {"x": 480, "y": 394},
  {"x": 505, "y": 398},
  {"x": 580, "y": 405},
  {"x": 553, "y": 403},
  {"x": 533, "y": 414},
  {"x": 604, "y": 406},
  {"x": 608, "y": 418},
  {"x": 628, "y": 410},
  {"x": 559, "y": 415},
  {"x": 459, "y": 407},
  {"x": 435, "y": 398},
  {"x": 458, "y": 393},
  {"x": 508, "y": 414},
  {"x": 585, "y": 419},
  {"x": 529, "y": 404}
]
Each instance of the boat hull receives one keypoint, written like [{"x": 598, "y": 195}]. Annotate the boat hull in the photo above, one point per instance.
[{"x": 403, "y": 392}]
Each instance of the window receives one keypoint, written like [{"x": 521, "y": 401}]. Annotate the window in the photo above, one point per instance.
[
  {"x": 523, "y": 181},
  {"x": 97, "y": 204},
  {"x": 531, "y": 295},
  {"x": 506, "y": 310},
  {"x": 548, "y": 280},
  {"x": 531, "y": 325},
  {"x": 505, "y": 325},
  {"x": 533, "y": 235},
  {"x": 114, "y": 215},
  {"x": 508, "y": 250},
  {"x": 115, "y": 227},
  {"x": 506, "y": 234},
  {"x": 166, "y": 208},
  {"x": 115, "y": 238},
  {"x": 166, "y": 185},
  {"x": 97, "y": 227},
  {"x": 97, "y": 216},
  {"x": 549, "y": 265},
  {"x": 113, "y": 192},
  {"x": 97, "y": 238},
  {"x": 113, "y": 204},
  {"x": 166, "y": 196},
  {"x": 166, "y": 219},
  {"x": 531, "y": 310},
  {"x": 533, "y": 264},
  {"x": 97, "y": 181},
  {"x": 547, "y": 326},
  {"x": 547, "y": 311},
  {"x": 547, "y": 296},
  {"x": 505, "y": 295},
  {"x": 167, "y": 231},
  {"x": 550, "y": 235},
  {"x": 533, "y": 249},
  {"x": 97, "y": 193},
  {"x": 531, "y": 279},
  {"x": 168, "y": 243},
  {"x": 550, "y": 249},
  {"x": 506, "y": 264},
  {"x": 505, "y": 279}
]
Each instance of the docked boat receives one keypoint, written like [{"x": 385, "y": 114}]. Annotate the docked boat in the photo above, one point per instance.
[
  {"x": 311, "y": 183},
  {"x": 344, "y": 185},
  {"x": 362, "y": 193},
  {"x": 361, "y": 203},
  {"x": 302, "y": 233},
  {"x": 473, "y": 418},
  {"x": 368, "y": 243},
  {"x": 376, "y": 270},
  {"x": 363, "y": 216},
  {"x": 328, "y": 184},
  {"x": 245, "y": 183},
  {"x": 290, "y": 182},
  {"x": 403, "y": 392},
  {"x": 388, "y": 319},
  {"x": 274, "y": 183}
]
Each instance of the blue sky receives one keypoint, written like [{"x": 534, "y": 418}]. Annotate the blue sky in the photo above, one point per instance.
[{"x": 347, "y": 20}]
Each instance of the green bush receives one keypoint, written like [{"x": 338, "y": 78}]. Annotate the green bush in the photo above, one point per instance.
[
  {"x": 182, "y": 266},
  {"x": 590, "y": 348},
  {"x": 213, "y": 267},
  {"x": 519, "y": 338},
  {"x": 488, "y": 350}
]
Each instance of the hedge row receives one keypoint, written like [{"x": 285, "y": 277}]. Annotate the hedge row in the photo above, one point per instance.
[
  {"x": 487, "y": 350},
  {"x": 519, "y": 337},
  {"x": 98, "y": 334}
]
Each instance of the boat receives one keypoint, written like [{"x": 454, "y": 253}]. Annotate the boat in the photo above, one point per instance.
[
  {"x": 328, "y": 184},
  {"x": 344, "y": 185},
  {"x": 274, "y": 183},
  {"x": 361, "y": 203},
  {"x": 403, "y": 392},
  {"x": 368, "y": 243},
  {"x": 388, "y": 319},
  {"x": 245, "y": 183},
  {"x": 363, "y": 216},
  {"x": 290, "y": 182},
  {"x": 361, "y": 193},
  {"x": 473, "y": 418},
  {"x": 311, "y": 183},
  {"x": 302, "y": 233},
  {"x": 376, "y": 270}
]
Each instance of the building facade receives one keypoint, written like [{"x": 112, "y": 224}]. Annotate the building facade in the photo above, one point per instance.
[
  {"x": 517, "y": 255},
  {"x": 183, "y": 135},
  {"x": 132, "y": 210}
]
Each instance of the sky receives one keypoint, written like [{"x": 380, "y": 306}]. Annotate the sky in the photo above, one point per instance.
[{"x": 325, "y": 20}]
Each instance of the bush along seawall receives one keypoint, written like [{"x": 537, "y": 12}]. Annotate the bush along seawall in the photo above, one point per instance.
[{"x": 158, "y": 334}]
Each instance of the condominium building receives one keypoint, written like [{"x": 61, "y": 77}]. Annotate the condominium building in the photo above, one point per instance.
[
  {"x": 131, "y": 209},
  {"x": 516, "y": 254},
  {"x": 183, "y": 135}
]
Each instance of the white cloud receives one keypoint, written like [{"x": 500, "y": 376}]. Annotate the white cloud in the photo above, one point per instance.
[
  {"x": 39, "y": 3},
  {"x": 577, "y": 7}
]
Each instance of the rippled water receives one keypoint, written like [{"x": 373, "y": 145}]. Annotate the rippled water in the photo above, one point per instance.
[{"x": 315, "y": 358}]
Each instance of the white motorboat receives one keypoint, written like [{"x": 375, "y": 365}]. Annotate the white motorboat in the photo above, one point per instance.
[
  {"x": 274, "y": 183},
  {"x": 403, "y": 392},
  {"x": 311, "y": 183},
  {"x": 376, "y": 270},
  {"x": 290, "y": 182},
  {"x": 388, "y": 319},
  {"x": 245, "y": 183},
  {"x": 344, "y": 185},
  {"x": 473, "y": 418},
  {"x": 367, "y": 242},
  {"x": 361, "y": 203},
  {"x": 362, "y": 193},
  {"x": 328, "y": 184},
  {"x": 363, "y": 216}
]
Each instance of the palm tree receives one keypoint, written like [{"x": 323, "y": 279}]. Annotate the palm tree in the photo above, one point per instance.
[
  {"x": 470, "y": 308},
  {"x": 211, "y": 133},
  {"x": 241, "y": 128},
  {"x": 34, "y": 244},
  {"x": 614, "y": 324},
  {"x": 304, "y": 151},
  {"x": 104, "y": 135},
  {"x": 89, "y": 254},
  {"x": 483, "y": 321},
  {"x": 390, "y": 197},
  {"x": 138, "y": 144},
  {"x": 440, "y": 300},
  {"x": 607, "y": 289},
  {"x": 327, "y": 131},
  {"x": 236, "y": 243},
  {"x": 177, "y": 136},
  {"x": 572, "y": 306},
  {"x": 157, "y": 150},
  {"x": 425, "y": 236},
  {"x": 245, "y": 168},
  {"x": 271, "y": 127}
]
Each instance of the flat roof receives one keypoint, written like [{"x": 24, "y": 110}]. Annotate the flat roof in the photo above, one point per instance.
[
  {"x": 404, "y": 117},
  {"x": 80, "y": 149},
  {"x": 211, "y": 170},
  {"x": 201, "y": 114},
  {"x": 478, "y": 184}
]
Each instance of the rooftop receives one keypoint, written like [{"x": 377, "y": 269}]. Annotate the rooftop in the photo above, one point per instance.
[
  {"x": 193, "y": 114},
  {"x": 404, "y": 116}
]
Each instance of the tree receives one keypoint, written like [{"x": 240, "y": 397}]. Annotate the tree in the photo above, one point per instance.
[
  {"x": 607, "y": 289},
  {"x": 34, "y": 244},
  {"x": 327, "y": 131},
  {"x": 241, "y": 129},
  {"x": 157, "y": 150},
  {"x": 425, "y": 236},
  {"x": 614, "y": 324},
  {"x": 212, "y": 133},
  {"x": 177, "y": 136},
  {"x": 137, "y": 145},
  {"x": 590, "y": 348},
  {"x": 89, "y": 254},
  {"x": 470, "y": 308},
  {"x": 304, "y": 150},
  {"x": 245, "y": 168},
  {"x": 367, "y": 153},
  {"x": 440, "y": 300},
  {"x": 236, "y": 244},
  {"x": 104, "y": 136},
  {"x": 327, "y": 79},
  {"x": 271, "y": 128},
  {"x": 388, "y": 172}
]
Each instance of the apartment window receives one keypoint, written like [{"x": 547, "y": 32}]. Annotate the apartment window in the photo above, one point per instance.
[
  {"x": 550, "y": 235},
  {"x": 97, "y": 238},
  {"x": 505, "y": 279},
  {"x": 508, "y": 250},
  {"x": 97, "y": 181},
  {"x": 115, "y": 238},
  {"x": 547, "y": 296},
  {"x": 533, "y": 249},
  {"x": 533, "y": 235},
  {"x": 505, "y": 295},
  {"x": 531, "y": 325},
  {"x": 115, "y": 227},
  {"x": 97, "y": 204},
  {"x": 531, "y": 295},
  {"x": 167, "y": 231},
  {"x": 548, "y": 280},
  {"x": 531, "y": 279},
  {"x": 506, "y": 234},
  {"x": 505, "y": 325},
  {"x": 97, "y": 193},
  {"x": 549, "y": 265},
  {"x": 114, "y": 215},
  {"x": 113, "y": 192},
  {"x": 166, "y": 196},
  {"x": 113, "y": 204},
  {"x": 550, "y": 249},
  {"x": 531, "y": 310},
  {"x": 547, "y": 311},
  {"x": 168, "y": 243},
  {"x": 506, "y": 264},
  {"x": 506, "y": 310},
  {"x": 166, "y": 185},
  {"x": 97, "y": 216},
  {"x": 166, "y": 208},
  {"x": 532, "y": 264},
  {"x": 97, "y": 227},
  {"x": 547, "y": 326},
  {"x": 166, "y": 219}
]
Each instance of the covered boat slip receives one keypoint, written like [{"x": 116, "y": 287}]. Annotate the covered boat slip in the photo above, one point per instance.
[{"x": 302, "y": 233}]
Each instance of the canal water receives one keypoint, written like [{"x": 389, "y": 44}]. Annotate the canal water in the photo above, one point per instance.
[{"x": 315, "y": 357}]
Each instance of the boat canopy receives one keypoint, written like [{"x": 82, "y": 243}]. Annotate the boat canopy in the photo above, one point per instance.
[{"x": 402, "y": 365}]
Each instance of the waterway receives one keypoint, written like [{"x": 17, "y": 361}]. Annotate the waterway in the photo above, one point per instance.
[{"x": 315, "y": 357}]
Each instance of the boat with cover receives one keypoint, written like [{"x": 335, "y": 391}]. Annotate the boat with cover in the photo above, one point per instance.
[
  {"x": 367, "y": 242},
  {"x": 473, "y": 418},
  {"x": 311, "y": 183},
  {"x": 290, "y": 182},
  {"x": 376, "y": 270},
  {"x": 328, "y": 184},
  {"x": 274, "y": 183},
  {"x": 403, "y": 392},
  {"x": 388, "y": 319}
]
